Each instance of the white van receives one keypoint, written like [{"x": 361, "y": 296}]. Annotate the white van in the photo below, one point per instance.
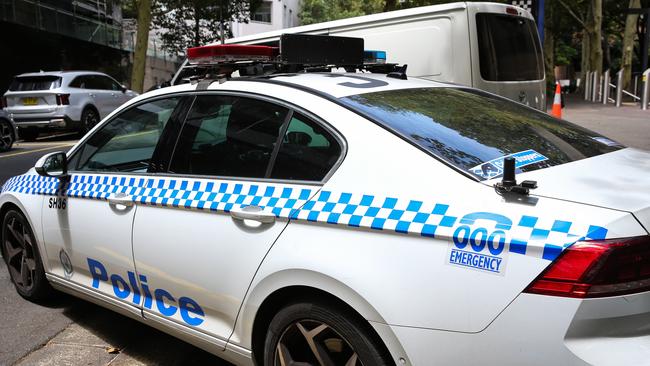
[{"x": 488, "y": 46}]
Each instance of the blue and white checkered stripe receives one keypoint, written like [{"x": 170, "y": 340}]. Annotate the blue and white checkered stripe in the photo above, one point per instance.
[
  {"x": 436, "y": 220},
  {"x": 428, "y": 219}
]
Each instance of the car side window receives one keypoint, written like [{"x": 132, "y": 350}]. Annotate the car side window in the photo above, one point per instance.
[
  {"x": 228, "y": 136},
  {"x": 307, "y": 152},
  {"x": 79, "y": 82},
  {"x": 127, "y": 142},
  {"x": 110, "y": 84}
]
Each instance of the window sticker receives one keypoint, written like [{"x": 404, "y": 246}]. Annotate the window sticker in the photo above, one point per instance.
[
  {"x": 605, "y": 141},
  {"x": 494, "y": 168}
]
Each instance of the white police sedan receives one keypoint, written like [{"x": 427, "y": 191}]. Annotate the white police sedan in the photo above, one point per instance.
[{"x": 346, "y": 219}]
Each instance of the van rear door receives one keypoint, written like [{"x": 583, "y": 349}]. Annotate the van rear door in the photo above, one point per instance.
[{"x": 507, "y": 54}]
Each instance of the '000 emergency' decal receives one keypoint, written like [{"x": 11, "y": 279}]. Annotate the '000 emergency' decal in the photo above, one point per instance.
[{"x": 481, "y": 240}]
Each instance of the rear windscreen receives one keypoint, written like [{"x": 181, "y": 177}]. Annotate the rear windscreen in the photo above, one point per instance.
[
  {"x": 474, "y": 131},
  {"x": 28, "y": 83},
  {"x": 509, "y": 48}
]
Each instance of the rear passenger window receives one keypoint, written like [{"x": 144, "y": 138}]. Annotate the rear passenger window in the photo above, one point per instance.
[
  {"x": 228, "y": 136},
  {"x": 307, "y": 151}
]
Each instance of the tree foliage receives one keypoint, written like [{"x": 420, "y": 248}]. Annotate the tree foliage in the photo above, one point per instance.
[
  {"x": 191, "y": 23},
  {"x": 317, "y": 11}
]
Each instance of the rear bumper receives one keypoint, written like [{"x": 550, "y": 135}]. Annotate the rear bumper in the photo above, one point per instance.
[
  {"x": 54, "y": 122},
  {"x": 544, "y": 330}
]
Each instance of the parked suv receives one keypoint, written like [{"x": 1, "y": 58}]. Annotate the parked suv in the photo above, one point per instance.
[
  {"x": 62, "y": 100},
  {"x": 8, "y": 133}
]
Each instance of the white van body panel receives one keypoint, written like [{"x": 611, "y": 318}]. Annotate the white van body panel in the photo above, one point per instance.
[{"x": 437, "y": 42}]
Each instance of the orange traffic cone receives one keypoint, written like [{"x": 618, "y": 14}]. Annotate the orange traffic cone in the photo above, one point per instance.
[{"x": 557, "y": 102}]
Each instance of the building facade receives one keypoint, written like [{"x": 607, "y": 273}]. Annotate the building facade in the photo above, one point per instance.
[{"x": 271, "y": 15}]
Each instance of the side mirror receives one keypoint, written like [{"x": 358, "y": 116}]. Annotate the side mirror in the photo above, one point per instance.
[
  {"x": 53, "y": 165},
  {"x": 124, "y": 88}
]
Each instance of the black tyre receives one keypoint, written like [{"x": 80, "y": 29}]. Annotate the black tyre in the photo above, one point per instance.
[
  {"x": 28, "y": 134},
  {"x": 20, "y": 252},
  {"x": 321, "y": 334},
  {"x": 7, "y": 137},
  {"x": 89, "y": 118}
]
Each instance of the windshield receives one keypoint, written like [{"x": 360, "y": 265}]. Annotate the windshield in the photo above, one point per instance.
[
  {"x": 475, "y": 131},
  {"x": 29, "y": 83},
  {"x": 509, "y": 48}
]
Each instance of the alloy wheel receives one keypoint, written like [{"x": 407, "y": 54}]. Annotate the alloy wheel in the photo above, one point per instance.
[
  {"x": 6, "y": 136},
  {"x": 19, "y": 253},
  {"x": 90, "y": 119},
  {"x": 310, "y": 342}
]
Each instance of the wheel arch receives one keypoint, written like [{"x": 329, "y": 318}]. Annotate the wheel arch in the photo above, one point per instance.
[
  {"x": 9, "y": 201},
  {"x": 277, "y": 290},
  {"x": 11, "y": 125}
]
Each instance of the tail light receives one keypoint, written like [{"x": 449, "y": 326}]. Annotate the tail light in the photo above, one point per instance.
[
  {"x": 63, "y": 99},
  {"x": 3, "y": 102},
  {"x": 597, "y": 269}
]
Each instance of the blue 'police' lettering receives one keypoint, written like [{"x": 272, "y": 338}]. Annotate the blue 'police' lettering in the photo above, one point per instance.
[
  {"x": 160, "y": 303},
  {"x": 190, "y": 311}
]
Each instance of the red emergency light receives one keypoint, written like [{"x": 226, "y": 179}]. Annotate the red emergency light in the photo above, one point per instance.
[{"x": 229, "y": 53}]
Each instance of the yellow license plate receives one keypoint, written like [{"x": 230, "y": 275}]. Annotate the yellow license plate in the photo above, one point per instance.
[{"x": 30, "y": 101}]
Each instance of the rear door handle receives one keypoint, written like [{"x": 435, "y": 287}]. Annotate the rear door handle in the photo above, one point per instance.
[
  {"x": 254, "y": 213},
  {"x": 121, "y": 199}
]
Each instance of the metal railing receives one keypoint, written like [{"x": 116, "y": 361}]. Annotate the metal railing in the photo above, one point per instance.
[{"x": 598, "y": 88}]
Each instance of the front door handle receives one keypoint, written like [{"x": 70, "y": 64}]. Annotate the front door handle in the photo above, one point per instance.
[
  {"x": 121, "y": 199},
  {"x": 254, "y": 213}
]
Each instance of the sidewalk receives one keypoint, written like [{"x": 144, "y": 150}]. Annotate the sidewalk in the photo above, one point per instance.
[{"x": 628, "y": 125}]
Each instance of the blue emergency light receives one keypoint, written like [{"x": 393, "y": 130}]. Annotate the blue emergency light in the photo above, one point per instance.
[{"x": 374, "y": 57}]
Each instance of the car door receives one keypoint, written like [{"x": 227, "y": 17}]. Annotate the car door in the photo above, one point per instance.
[
  {"x": 101, "y": 94},
  {"x": 87, "y": 227},
  {"x": 119, "y": 97},
  {"x": 218, "y": 212}
]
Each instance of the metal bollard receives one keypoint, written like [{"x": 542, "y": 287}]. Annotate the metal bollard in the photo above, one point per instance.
[
  {"x": 594, "y": 86},
  {"x": 586, "y": 83},
  {"x": 606, "y": 87},
  {"x": 645, "y": 97},
  {"x": 619, "y": 88}
]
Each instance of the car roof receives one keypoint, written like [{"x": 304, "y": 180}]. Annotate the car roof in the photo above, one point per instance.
[
  {"x": 340, "y": 85},
  {"x": 60, "y": 73},
  {"x": 336, "y": 85}
]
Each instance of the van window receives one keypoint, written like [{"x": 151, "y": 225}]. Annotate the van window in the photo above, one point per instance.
[
  {"x": 477, "y": 139},
  {"x": 29, "y": 83},
  {"x": 509, "y": 48}
]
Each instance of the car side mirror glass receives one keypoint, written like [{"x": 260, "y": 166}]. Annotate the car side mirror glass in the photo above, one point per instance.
[{"x": 53, "y": 165}]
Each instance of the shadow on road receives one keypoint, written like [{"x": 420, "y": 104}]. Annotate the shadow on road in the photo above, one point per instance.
[{"x": 132, "y": 339}]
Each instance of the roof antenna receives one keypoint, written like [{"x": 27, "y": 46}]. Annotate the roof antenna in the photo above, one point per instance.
[
  {"x": 398, "y": 73},
  {"x": 509, "y": 184}
]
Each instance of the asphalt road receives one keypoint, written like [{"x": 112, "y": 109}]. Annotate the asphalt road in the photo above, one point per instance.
[{"x": 70, "y": 331}]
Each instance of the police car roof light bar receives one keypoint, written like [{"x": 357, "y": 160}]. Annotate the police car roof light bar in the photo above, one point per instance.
[
  {"x": 224, "y": 53},
  {"x": 307, "y": 50}
]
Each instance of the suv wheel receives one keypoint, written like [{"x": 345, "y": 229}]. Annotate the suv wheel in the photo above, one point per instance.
[
  {"x": 20, "y": 252},
  {"x": 6, "y": 135},
  {"x": 320, "y": 334},
  {"x": 89, "y": 119}
]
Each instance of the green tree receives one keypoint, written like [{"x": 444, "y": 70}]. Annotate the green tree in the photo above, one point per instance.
[{"x": 191, "y": 23}]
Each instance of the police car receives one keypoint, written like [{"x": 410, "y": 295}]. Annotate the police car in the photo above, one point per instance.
[{"x": 290, "y": 216}]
